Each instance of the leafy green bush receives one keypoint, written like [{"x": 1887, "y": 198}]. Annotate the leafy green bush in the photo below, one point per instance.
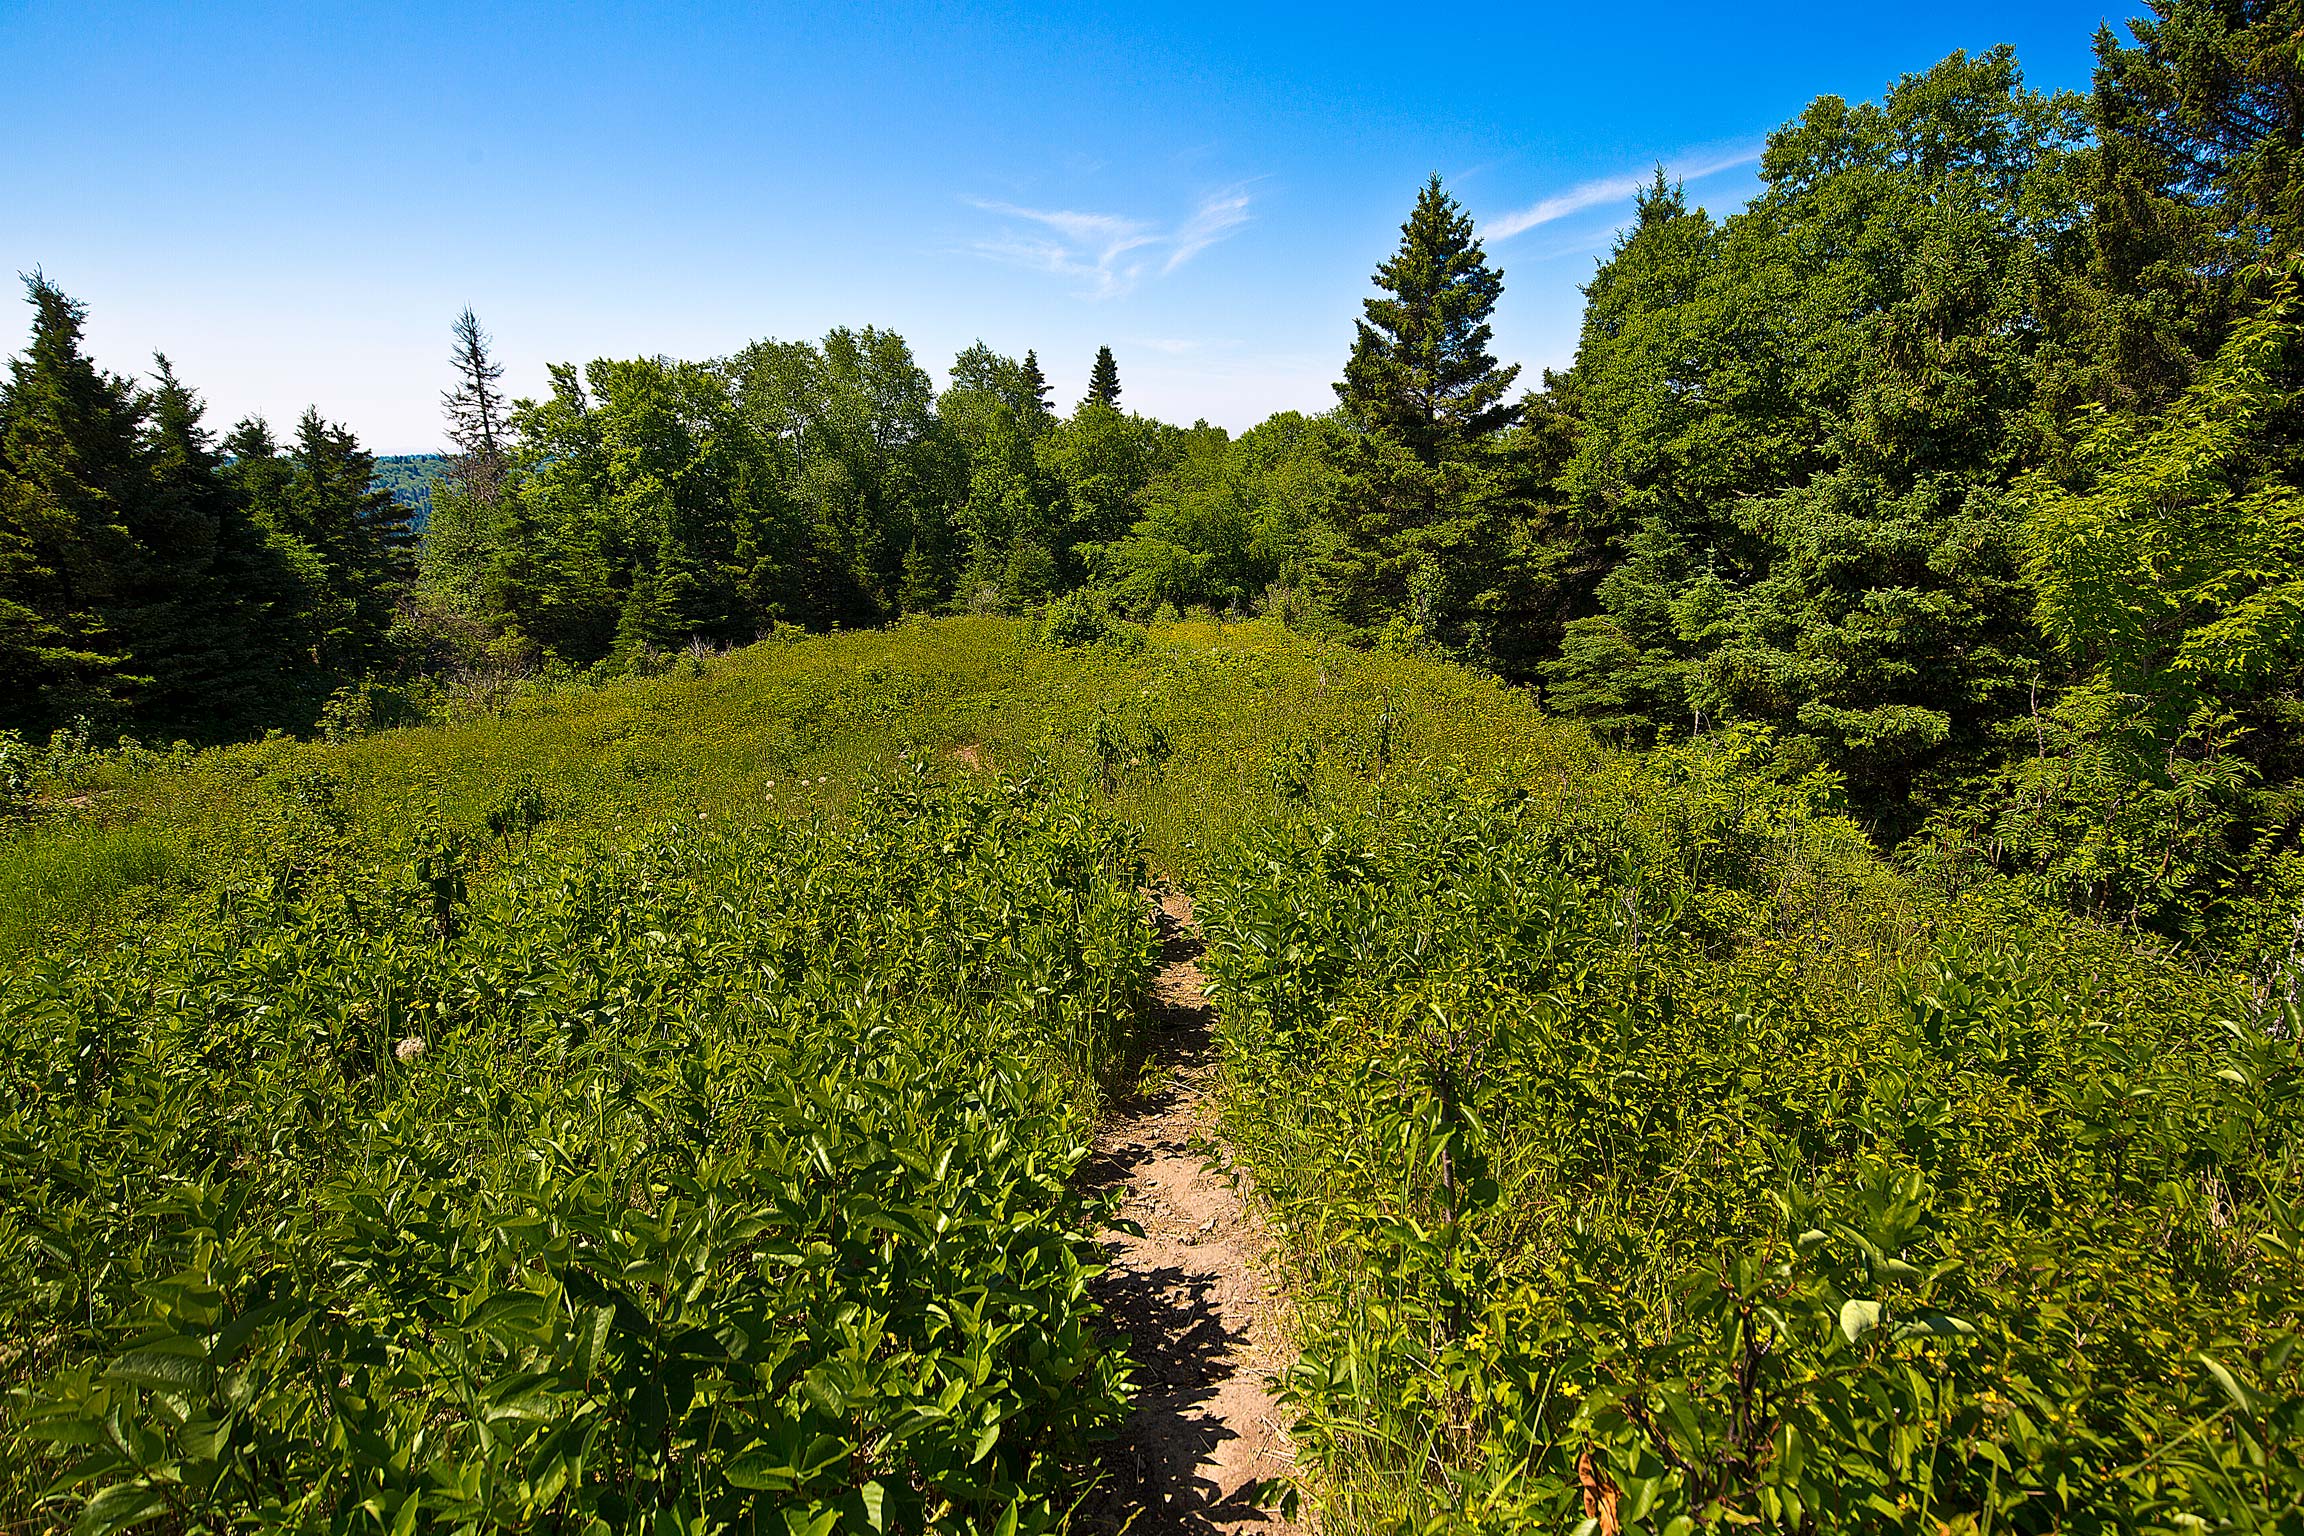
[
  {"x": 1081, "y": 619},
  {"x": 1644, "y": 1160},
  {"x": 710, "y": 1179}
]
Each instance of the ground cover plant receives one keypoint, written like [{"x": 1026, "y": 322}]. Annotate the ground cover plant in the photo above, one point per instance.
[
  {"x": 1649, "y": 1157},
  {"x": 1643, "y": 1150},
  {"x": 697, "y": 1179},
  {"x": 1197, "y": 731},
  {"x": 651, "y": 1101}
]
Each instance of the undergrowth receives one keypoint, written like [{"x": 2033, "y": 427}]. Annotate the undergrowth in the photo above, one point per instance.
[{"x": 1648, "y": 1158}]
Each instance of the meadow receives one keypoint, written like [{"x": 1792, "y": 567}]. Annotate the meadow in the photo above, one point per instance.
[{"x": 657, "y": 1105}]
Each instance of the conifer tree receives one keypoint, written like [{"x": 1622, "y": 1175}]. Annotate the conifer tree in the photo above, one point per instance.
[
  {"x": 1425, "y": 494},
  {"x": 476, "y": 410},
  {"x": 1104, "y": 380},
  {"x": 360, "y": 535},
  {"x": 1420, "y": 366},
  {"x": 2198, "y": 173},
  {"x": 1036, "y": 387},
  {"x": 69, "y": 481},
  {"x": 202, "y": 615}
]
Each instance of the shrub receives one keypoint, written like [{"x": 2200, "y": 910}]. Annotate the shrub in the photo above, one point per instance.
[{"x": 1082, "y": 619}]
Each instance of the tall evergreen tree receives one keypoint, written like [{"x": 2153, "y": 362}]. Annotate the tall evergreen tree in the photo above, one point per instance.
[
  {"x": 1426, "y": 494},
  {"x": 476, "y": 411},
  {"x": 1420, "y": 367},
  {"x": 2198, "y": 173},
  {"x": 1036, "y": 388},
  {"x": 70, "y": 482},
  {"x": 207, "y": 596},
  {"x": 1104, "y": 380},
  {"x": 360, "y": 535}
]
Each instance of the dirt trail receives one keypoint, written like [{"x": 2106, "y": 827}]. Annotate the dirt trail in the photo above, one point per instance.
[{"x": 1189, "y": 1294}]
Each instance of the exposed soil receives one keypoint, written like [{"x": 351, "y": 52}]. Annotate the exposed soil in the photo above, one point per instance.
[{"x": 1206, "y": 1437}]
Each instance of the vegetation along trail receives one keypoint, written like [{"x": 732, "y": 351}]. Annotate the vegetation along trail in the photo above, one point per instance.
[{"x": 1188, "y": 1289}]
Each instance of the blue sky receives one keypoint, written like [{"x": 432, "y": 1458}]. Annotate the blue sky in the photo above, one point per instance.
[{"x": 294, "y": 201}]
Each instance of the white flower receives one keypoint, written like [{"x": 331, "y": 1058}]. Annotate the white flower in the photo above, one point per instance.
[{"x": 409, "y": 1049}]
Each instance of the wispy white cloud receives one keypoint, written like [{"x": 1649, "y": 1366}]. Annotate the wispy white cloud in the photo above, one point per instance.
[
  {"x": 1215, "y": 218},
  {"x": 1605, "y": 190},
  {"x": 1107, "y": 254}
]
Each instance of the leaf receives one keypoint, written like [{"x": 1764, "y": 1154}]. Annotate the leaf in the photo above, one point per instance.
[
  {"x": 1938, "y": 1325},
  {"x": 761, "y": 1467},
  {"x": 172, "y": 1364},
  {"x": 2241, "y": 1397},
  {"x": 1858, "y": 1318},
  {"x": 118, "y": 1507}
]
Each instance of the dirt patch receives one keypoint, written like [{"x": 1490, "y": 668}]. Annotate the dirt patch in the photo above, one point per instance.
[
  {"x": 1207, "y": 1436},
  {"x": 971, "y": 756}
]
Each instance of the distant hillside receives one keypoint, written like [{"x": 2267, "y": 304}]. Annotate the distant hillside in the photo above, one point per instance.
[{"x": 408, "y": 476}]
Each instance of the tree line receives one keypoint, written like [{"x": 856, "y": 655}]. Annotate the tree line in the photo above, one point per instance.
[{"x": 1961, "y": 462}]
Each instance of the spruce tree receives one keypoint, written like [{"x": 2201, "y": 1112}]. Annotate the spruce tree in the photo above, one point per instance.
[
  {"x": 476, "y": 411},
  {"x": 70, "y": 481},
  {"x": 2198, "y": 173},
  {"x": 360, "y": 534},
  {"x": 1036, "y": 389},
  {"x": 1426, "y": 494},
  {"x": 201, "y": 617},
  {"x": 1420, "y": 366},
  {"x": 1104, "y": 380}
]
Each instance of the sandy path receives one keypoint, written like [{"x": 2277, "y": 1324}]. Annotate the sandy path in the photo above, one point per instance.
[{"x": 1189, "y": 1294}]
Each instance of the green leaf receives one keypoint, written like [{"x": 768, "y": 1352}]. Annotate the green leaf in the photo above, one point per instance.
[
  {"x": 118, "y": 1507},
  {"x": 1858, "y": 1318},
  {"x": 2242, "y": 1398},
  {"x": 761, "y": 1467},
  {"x": 172, "y": 1364}
]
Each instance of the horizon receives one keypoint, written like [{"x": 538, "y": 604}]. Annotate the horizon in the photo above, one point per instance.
[{"x": 1207, "y": 193}]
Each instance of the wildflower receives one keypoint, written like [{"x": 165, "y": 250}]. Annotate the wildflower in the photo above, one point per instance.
[{"x": 409, "y": 1049}]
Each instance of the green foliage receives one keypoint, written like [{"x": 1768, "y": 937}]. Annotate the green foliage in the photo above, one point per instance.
[
  {"x": 1644, "y": 1157},
  {"x": 149, "y": 581},
  {"x": 1080, "y": 619},
  {"x": 409, "y": 478},
  {"x": 1425, "y": 484},
  {"x": 712, "y": 1177},
  {"x": 2195, "y": 177},
  {"x": 2171, "y": 571},
  {"x": 1802, "y": 517},
  {"x": 1104, "y": 380},
  {"x": 1224, "y": 522},
  {"x": 2165, "y": 565}
]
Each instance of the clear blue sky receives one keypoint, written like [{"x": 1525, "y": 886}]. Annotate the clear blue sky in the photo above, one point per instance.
[{"x": 294, "y": 201}]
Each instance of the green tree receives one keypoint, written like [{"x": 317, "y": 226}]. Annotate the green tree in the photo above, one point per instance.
[
  {"x": 1426, "y": 489},
  {"x": 870, "y": 464},
  {"x": 1420, "y": 368},
  {"x": 1035, "y": 384},
  {"x": 1795, "y": 433},
  {"x": 2198, "y": 172},
  {"x": 2158, "y": 786},
  {"x": 1104, "y": 380},
  {"x": 70, "y": 481},
  {"x": 1097, "y": 462},
  {"x": 213, "y": 595}
]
